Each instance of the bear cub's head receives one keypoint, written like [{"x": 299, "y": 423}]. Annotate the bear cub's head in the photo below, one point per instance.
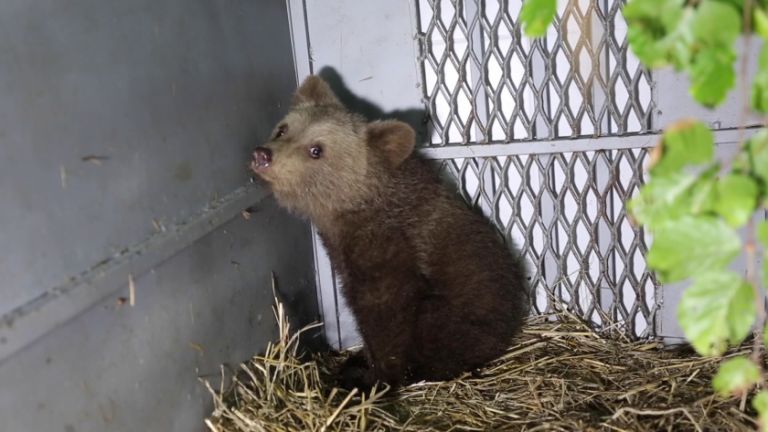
[{"x": 321, "y": 159}]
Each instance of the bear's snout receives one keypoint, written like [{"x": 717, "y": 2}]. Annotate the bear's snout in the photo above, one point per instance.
[{"x": 262, "y": 157}]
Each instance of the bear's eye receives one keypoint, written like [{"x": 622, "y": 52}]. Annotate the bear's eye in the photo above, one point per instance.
[
  {"x": 281, "y": 130},
  {"x": 315, "y": 151}
]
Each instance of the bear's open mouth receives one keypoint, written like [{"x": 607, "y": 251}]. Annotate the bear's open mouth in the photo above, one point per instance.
[
  {"x": 262, "y": 159},
  {"x": 259, "y": 166}
]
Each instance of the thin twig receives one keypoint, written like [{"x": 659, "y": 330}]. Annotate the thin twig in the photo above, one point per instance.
[
  {"x": 341, "y": 407},
  {"x": 657, "y": 413},
  {"x": 744, "y": 68},
  {"x": 211, "y": 426},
  {"x": 750, "y": 249},
  {"x": 750, "y": 244}
]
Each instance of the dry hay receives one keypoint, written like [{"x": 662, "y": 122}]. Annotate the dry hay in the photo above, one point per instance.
[{"x": 560, "y": 376}]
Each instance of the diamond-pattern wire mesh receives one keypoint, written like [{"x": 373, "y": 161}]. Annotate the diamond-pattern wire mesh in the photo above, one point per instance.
[
  {"x": 485, "y": 82},
  {"x": 565, "y": 212}
]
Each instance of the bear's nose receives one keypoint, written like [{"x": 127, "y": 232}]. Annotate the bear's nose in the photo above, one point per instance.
[{"x": 262, "y": 156}]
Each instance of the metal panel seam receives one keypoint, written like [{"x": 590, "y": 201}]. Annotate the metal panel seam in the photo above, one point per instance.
[
  {"x": 563, "y": 145},
  {"x": 27, "y": 323}
]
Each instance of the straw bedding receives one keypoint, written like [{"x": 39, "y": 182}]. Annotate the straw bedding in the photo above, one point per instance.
[{"x": 559, "y": 376}]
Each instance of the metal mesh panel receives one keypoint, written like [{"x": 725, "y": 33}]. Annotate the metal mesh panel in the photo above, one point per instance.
[
  {"x": 484, "y": 82},
  {"x": 565, "y": 212}
]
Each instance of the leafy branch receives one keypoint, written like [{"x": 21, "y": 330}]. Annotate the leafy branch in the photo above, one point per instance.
[{"x": 693, "y": 206}]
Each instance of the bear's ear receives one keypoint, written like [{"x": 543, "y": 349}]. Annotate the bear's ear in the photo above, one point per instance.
[
  {"x": 394, "y": 138},
  {"x": 315, "y": 91}
]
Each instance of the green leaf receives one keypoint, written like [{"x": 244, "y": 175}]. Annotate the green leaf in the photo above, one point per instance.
[
  {"x": 757, "y": 156},
  {"x": 691, "y": 245},
  {"x": 537, "y": 15},
  {"x": 752, "y": 159},
  {"x": 762, "y": 233},
  {"x": 662, "y": 199},
  {"x": 735, "y": 376},
  {"x": 762, "y": 236},
  {"x": 657, "y": 16},
  {"x": 736, "y": 4},
  {"x": 736, "y": 199},
  {"x": 675, "y": 195},
  {"x": 686, "y": 142},
  {"x": 716, "y": 310},
  {"x": 742, "y": 162},
  {"x": 765, "y": 334},
  {"x": 759, "y": 96},
  {"x": 761, "y": 22},
  {"x": 703, "y": 194},
  {"x": 760, "y": 404},
  {"x": 659, "y": 31},
  {"x": 716, "y": 24},
  {"x": 754, "y": 6},
  {"x": 712, "y": 75},
  {"x": 699, "y": 40}
]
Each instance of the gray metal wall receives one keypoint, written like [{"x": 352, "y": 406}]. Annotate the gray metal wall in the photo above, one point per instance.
[{"x": 125, "y": 129}]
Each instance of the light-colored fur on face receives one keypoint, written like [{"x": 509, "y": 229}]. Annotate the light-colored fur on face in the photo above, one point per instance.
[{"x": 355, "y": 157}]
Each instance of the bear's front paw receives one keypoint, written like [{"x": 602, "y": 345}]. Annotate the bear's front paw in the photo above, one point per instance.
[{"x": 351, "y": 377}]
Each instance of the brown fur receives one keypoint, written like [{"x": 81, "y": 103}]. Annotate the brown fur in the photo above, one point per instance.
[{"x": 434, "y": 290}]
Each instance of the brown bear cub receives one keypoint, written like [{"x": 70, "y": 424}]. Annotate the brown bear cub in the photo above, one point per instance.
[{"x": 433, "y": 288}]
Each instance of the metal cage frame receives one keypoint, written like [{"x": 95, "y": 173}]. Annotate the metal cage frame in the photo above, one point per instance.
[{"x": 549, "y": 138}]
